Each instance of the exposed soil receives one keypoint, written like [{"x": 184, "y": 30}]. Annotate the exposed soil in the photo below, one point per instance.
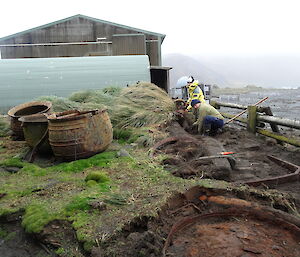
[
  {"x": 205, "y": 222},
  {"x": 249, "y": 162},
  {"x": 15, "y": 242}
]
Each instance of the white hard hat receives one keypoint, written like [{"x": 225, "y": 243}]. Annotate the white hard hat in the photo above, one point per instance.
[
  {"x": 190, "y": 79},
  {"x": 182, "y": 82}
]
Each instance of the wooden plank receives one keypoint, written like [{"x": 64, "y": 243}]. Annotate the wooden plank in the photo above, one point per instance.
[{"x": 267, "y": 133}]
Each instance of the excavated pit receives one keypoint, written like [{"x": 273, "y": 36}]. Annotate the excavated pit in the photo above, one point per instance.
[
  {"x": 210, "y": 222},
  {"x": 254, "y": 158}
]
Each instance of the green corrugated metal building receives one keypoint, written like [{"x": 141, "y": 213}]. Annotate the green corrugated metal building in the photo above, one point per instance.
[
  {"x": 23, "y": 80},
  {"x": 77, "y": 53}
]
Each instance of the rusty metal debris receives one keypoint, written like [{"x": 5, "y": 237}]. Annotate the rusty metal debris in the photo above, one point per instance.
[
  {"x": 26, "y": 109},
  {"x": 253, "y": 211},
  {"x": 74, "y": 135},
  {"x": 292, "y": 177}
]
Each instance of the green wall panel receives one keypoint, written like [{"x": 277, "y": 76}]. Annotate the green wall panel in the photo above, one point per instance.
[{"x": 23, "y": 80}]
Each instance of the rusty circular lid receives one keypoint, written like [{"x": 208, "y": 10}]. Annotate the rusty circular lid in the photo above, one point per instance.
[{"x": 13, "y": 111}]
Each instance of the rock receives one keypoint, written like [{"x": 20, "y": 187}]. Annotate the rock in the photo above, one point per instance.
[
  {"x": 98, "y": 205},
  {"x": 123, "y": 153},
  {"x": 251, "y": 147},
  {"x": 12, "y": 169},
  {"x": 96, "y": 252}
]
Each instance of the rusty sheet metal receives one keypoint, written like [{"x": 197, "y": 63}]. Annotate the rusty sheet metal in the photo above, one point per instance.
[
  {"x": 74, "y": 135},
  {"x": 26, "y": 109},
  {"x": 238, "y": 208},
  {"x": 292, "y": 177}
]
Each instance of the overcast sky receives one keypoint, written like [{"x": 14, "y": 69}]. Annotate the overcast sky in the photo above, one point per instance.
[{"x": 219, "y": 27}]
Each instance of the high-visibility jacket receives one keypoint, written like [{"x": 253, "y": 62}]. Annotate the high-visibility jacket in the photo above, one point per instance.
[{"x": 195, "y": 92}]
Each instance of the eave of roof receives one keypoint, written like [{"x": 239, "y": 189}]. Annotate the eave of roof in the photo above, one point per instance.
[{"x": 162, "y": 36}]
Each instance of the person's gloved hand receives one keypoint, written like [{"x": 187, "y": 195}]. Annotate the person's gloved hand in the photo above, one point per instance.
[{"x": 189, "y": 108}]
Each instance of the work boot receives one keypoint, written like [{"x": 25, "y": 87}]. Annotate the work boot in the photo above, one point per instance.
[{"x": 206, "y": 129}]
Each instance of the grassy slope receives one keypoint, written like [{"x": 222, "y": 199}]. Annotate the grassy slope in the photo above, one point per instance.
[{"x": 135, "y": 187}]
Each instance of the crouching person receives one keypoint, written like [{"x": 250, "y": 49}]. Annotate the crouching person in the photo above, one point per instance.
[{"x": 208, "y": 119}]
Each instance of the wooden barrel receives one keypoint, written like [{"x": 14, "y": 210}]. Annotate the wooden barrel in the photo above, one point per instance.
[
  {"x": 35, "y": 129},
  {"x": 26, "y": 109},
  {"x": 74, "y": 135}
]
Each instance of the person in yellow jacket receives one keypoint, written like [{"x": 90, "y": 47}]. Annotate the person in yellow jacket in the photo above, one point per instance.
[
  {"x": 208, "y": 119},
  {"x": 195, "y": 92}
]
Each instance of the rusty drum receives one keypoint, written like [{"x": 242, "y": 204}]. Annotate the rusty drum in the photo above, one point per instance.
[
  {"x": 74, "y": 135},
  {"x": 35, "y": 129},
  {"x": 24, "y": 110}
]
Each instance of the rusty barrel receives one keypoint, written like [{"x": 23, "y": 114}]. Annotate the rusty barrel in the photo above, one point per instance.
[
  {"x": 35, "y": 129},
  {"x": 26, "y": 109},
  {"x": 74, "y": 135}
]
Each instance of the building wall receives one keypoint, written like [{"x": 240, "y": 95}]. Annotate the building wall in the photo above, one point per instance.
[
  {"x": 76, "y": 30},
  {"x": 23, "y": 80}
]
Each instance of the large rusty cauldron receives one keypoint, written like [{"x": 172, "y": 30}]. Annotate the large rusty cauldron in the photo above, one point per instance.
[
  {"x": 24, "y": 110},
  {"x": 74, "y": 135},
  {"x": 35, "y": 129}
]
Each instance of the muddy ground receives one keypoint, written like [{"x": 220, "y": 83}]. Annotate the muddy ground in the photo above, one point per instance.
[
  {"x": 251, "y": 159},
  {"x": 193, "y": 224},
  {"x": 236, "y": 220}
]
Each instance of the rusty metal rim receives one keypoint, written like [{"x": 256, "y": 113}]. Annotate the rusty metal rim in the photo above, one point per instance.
[
  {"x": 17, "y": 108},
  {"x": 292, "y": 177},
  {"x": 232, "y": 212},
  {"x": 73, "y": 115}
]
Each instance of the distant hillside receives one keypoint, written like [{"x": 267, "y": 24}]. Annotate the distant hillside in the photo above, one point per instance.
[
  {"x": 273, "y": 71},
  {"x": 185, "y": 65}
]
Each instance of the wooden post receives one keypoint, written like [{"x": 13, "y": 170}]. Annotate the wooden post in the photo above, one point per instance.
[
  {"x": 274, "y": 127},
  {"x": 251, "y": 126}
]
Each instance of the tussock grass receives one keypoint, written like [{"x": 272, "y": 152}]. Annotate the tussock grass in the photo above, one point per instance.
[
  {"x": 139, "y": 105},
  {"x": 4, "y": 126}
]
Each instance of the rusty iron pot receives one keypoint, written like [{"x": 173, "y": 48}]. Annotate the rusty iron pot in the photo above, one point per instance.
[
  {"x": 74, "y": 135},
  {"x": 26, "y": 109},
  {"x": 35, "y": 129}
]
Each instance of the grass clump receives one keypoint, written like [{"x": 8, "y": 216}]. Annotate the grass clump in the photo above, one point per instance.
[
  {"x": 35, "y": 218},
  {"x": 4, "y": 127},
  {"x": 128, "y": 135},
  {"x": 91, "y": 183},
  {"x": 12, "y": 162},
  {"x": 60, "y": 104},
  {"x": 91, "y": 96},
  {"x": 100, "y": 160},
  {"x": 141, "y": 105},
  {"x": 79, "y": 203},
  {"x": 113, "y": 91},
  {"x": 138, "y": 105},
  {"x": 98, "y": 176}
]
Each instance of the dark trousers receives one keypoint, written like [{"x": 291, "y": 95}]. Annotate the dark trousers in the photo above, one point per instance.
[{"x": 212, "y": 124}]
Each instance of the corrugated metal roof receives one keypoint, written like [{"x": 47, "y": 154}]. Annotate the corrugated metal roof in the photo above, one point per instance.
[
  {"x": 23, "y": 80},
  {"x": 162, "y": 36}
]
